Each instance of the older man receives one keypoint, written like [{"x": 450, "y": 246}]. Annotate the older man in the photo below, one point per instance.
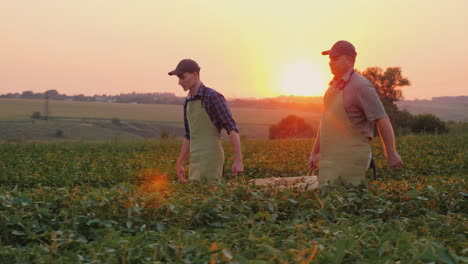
[{"x": 352, "y": 107}]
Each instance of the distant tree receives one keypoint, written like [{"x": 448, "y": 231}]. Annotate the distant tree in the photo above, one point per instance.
[
  {"x": 59, "y": 133},
  {"x": 84, "y": 98},
  {"x": 27, "y": 94},
  {"x": 53, "y": 94},
  {"x": 36, "y": 115},
  {"x": 116, "y": 121},
  {"x": 428, "y": 123},
  {"x": 292, "y": 126},
  {"x": 388, "y": 85},
  {"x": 401, "y": 120}
]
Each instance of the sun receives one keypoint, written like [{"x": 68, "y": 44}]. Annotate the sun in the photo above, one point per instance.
[{"x": 302, "y": 79}]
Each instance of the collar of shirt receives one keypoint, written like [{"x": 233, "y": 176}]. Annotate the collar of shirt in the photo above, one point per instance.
[
  {"x": 335, "y": 83},
  {"x": 200, "y": 92}
]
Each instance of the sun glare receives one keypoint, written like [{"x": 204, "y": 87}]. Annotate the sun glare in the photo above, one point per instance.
[{"x": 302, "y": 79}]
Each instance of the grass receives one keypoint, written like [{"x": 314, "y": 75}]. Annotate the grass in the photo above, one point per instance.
[
  {"x": 72, "y": 130},
  {"x": 119, "y": 203},
  {"x": 85, "y": 130}
]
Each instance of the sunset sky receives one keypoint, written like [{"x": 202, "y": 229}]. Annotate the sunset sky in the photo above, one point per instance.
[{"x": 256, "y": 48}]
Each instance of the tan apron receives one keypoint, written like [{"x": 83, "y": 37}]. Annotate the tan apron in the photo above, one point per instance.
[
  {"x": 344, "y": 151},
  {"x": 206, "y": 151}
]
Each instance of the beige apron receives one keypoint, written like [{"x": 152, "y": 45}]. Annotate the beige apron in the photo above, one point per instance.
[
  {"x": 206, "y": 151},
  {"x": 344, "y": 151}
]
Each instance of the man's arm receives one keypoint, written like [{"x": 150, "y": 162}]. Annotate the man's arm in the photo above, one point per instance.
[
  {"x": 237, "y": 166},
  {"x": 314, "y": 155},
  {"x": 388, "y": 139},
  {"x": 184, "y": 151},
  {"x": 224, "y": 116}
]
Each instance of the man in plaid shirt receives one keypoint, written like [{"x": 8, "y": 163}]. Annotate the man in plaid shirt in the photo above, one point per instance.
[{"x": 206, "y": 113}]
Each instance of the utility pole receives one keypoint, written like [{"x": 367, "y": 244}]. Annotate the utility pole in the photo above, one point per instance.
[{"x": 46, "y": 106}]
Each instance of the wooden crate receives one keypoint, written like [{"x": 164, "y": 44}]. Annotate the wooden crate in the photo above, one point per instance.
[{"x": 306, "y": 183}]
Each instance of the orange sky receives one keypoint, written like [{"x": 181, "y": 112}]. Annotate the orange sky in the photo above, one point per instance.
[{"x": 258, "y": 48}]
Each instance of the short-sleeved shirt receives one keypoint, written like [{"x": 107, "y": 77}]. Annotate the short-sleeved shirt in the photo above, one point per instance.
[
  {"x": 216, "y": 106},
  {"x": 361, "y": 101}
]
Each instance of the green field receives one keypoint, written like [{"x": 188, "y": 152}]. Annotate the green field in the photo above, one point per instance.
[
  {"x": 118, "y": 202},
  {"x": 93, "y": 120}
]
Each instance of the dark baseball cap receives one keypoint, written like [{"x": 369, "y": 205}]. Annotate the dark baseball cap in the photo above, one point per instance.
[
  {"x": 341, "y": 47},
  {"x": 185, "y": 65}
]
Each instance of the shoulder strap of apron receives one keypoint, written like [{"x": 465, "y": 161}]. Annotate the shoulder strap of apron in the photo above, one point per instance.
[
  {"x": 201, "y": 97},
  {"x": 372, "y": 163},
  {"x": 349, "y": 79}
]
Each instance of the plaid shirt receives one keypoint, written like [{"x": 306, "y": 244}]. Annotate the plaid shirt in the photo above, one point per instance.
[{"x": 216, "y": 107}]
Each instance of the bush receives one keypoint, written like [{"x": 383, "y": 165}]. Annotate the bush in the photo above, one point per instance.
[
  {"x": 292, "y": 126},
  {"x": 428, "y": 123},
  {"x": 164, "y": 134},
  {"x": 116, "y": 121},
  {"x": 457, "y": 127},
  {"x": 36, "y": 115},
  {"x": 401, "y": 119},
  {"x": 59, "y": 133}
]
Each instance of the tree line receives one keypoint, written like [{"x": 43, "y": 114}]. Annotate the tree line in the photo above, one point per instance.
[
  {"x": 297, "y": 103},
  {"x": 140, "y": 98}
]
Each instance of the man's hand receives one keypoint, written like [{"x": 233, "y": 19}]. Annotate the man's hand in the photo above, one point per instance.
[
  {"x": 313, "y": 161},
  {"x": 237, "y": 167},
  {"x": 184, "y": 152},
  {"x": 394, "y": 161},
  {"x": 181, "y": 173},
  {"x": 388, "y": 139}
]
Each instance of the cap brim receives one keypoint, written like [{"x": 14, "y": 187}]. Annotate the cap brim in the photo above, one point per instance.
[
  {"x": 175, "y": 72},
  {"x": 330, "y": 52}
]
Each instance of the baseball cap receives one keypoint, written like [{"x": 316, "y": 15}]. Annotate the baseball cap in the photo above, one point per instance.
[
  {"x": 341, "y": 47},
  {"x": 185, "y": 65}
]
